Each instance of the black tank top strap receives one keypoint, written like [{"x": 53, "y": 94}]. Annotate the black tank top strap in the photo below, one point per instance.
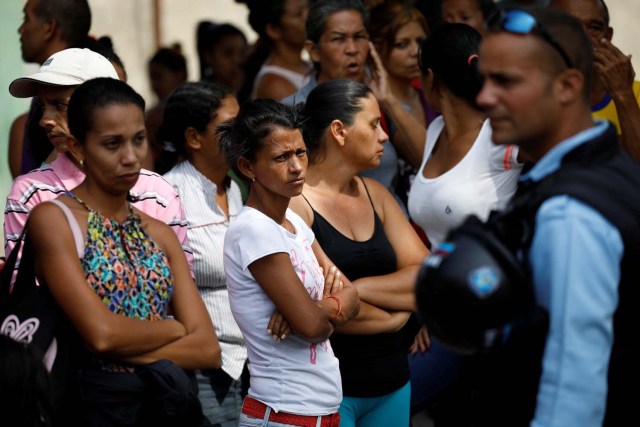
[
  {"x": 369, "y": 196},
  {"x": 307, "y": 200}
]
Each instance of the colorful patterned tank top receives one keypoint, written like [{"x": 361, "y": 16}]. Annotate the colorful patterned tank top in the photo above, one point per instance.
[{"x": 125, "y": 267}]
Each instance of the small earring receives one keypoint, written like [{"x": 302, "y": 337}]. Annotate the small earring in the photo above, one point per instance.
[
  {"x": 81, "y": 163},
  {"x": 253, "y": 179}
]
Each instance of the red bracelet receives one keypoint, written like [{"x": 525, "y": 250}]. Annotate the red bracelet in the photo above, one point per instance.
[{"x": 339, "y": 306}]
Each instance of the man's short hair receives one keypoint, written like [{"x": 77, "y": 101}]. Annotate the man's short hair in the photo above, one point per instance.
[
  {"x": 570, "y": 35},
  {"x": 73, "y": 18}
]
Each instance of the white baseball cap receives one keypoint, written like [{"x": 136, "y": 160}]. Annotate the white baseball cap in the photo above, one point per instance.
[{"x": 69, "y": 67}]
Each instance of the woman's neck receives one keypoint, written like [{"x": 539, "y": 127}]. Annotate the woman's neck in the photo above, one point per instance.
[
  {"x": 287, "y": 57},
  {"x": 272, "y": 205},
  {"x": 214, "y": 172},
  {"x": 460, "y": 117},
  {"x": 401, "y": 89},
  {"x": 114, "y": 206},
  {"x": 332, "y": 173}
]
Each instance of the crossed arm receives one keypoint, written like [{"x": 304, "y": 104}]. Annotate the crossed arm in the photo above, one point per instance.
[{"x": 189, "y": 340}]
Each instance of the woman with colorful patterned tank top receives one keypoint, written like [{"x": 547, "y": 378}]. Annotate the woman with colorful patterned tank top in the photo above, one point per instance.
[{"x": 132, "y": 273}]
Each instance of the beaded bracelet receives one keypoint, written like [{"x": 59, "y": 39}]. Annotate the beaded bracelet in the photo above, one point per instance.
[{"x": 339, "y": 306}]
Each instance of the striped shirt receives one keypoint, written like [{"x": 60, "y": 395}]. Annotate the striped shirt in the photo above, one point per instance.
[
  {"x": 155, "y": 197},
  {"x": 207, "y": 226}
]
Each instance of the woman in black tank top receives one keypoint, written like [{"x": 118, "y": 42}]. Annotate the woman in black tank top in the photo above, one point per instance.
[{"x": 365, "y": 233}]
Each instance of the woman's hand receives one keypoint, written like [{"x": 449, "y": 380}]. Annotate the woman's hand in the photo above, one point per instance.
[
  {"x": 421, "y": 342},
  {"x": 278, "y": 327},
  {"x": 333, "y": 282}
]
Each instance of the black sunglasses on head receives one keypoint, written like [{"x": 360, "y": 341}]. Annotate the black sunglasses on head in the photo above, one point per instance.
[{"x": 518, "y": 21}]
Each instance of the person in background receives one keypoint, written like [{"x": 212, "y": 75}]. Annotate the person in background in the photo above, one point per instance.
[
  {"x": 53, "y": 84},
  {"x": 281, "y": 27},
  {"x": 117, "y": 273},
  {"x": 222, "y": 50},
  {"x": 364, "y": 230},
  {"x": 615, "y": 95},
  {"x": 474, "y": 13},
  {"x": 285, "y": 293},
  {"x": 338, "y": 45},
  {"x": 167, "y": 70},
  {"x": 48, "y": 26},
  {"x": 397, "y": 41},
  {"x": 211, "y": 201},
  {"x": 462, "y": 173}
]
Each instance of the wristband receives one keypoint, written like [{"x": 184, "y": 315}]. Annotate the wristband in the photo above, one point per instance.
[{"x": 339, "y": 306}]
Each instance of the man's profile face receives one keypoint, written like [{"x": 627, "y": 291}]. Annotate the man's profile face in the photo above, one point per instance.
[
  {"x": 591, "y": 15},
  {"x": 32, "y": 34},
  {"x": 54, "y": 101},
  {"x": 518, "y": 91}
]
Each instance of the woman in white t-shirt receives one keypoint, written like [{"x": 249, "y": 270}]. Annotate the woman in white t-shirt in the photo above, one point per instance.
[
  {"x": 285, "y": 294},
  {"x": 462, "y": 173}
]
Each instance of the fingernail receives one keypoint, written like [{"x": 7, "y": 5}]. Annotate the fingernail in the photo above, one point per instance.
[
  {"x": 283, "y": 336},
  {"x": 268, "y": 331},
  {"x": 275, "y": 337},
  {"x": 333, "y": 268}
]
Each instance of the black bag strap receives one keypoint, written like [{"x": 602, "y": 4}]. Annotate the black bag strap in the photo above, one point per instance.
[{"x": 8, "y": 270}]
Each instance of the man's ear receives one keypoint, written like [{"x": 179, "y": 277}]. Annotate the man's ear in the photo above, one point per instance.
[
  {"x": 570, "y": 84},
  {"x": 192, "y": 138},
  {"x": 338, "y": 132},
  {"x": 246, "y": 167},
  {"x": 312, "y": 50},
  {"x": 608, "y": 33},
  {"x": 51, "y": 28}
]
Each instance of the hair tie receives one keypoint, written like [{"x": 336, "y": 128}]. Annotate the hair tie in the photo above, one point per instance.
[{"x": 471, "y": 58}]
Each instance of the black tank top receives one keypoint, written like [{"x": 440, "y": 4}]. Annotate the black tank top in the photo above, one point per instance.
[{"x": 370, "y": 365}]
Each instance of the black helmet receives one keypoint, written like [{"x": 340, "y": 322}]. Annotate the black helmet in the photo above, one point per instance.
[{"x": 470, "y": 288}]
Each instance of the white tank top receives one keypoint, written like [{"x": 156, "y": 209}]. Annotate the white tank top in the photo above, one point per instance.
[
  {"x": 295, "y": 78},
  {"x": 484, "y": 180}
]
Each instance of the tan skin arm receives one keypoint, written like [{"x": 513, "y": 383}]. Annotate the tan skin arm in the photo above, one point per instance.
[
  {"x": 104, "y": 332},
  {"x": 308, "y": 319},
  {"x": 199, "y": 347},
  {"x": 616, "y": 73},
  {"x": 16, "y": 140},
  {"x": 411, "y": 134},
  {"x": 370, "y": 318},
  {"x": 373, "y": 320},
  {"x": 394, "y": 291},
  {"x": 274, "y": 87}
]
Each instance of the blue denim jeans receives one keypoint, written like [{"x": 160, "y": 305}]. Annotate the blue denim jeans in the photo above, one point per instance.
[{"x": 221, "y": 396}]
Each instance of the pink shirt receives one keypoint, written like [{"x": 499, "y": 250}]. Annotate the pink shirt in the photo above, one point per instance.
[{"x": 156, "y": 197}]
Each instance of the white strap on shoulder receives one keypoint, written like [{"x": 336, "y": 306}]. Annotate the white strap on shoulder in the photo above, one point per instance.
[{"x": 75, "y": 227}]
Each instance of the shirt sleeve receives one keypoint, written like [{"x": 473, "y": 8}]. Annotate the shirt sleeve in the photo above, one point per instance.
[
  {"x": 258, "y": 239},
  {"x": 15, "y": 218},
  {"x": 504, "y": 157},
  {"x": 575, "y": 258}
]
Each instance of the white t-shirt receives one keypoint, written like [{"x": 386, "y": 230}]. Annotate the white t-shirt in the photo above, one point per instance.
[
  {"x": 484, "y": 180},
  {"x": 292, "y": 375}
]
